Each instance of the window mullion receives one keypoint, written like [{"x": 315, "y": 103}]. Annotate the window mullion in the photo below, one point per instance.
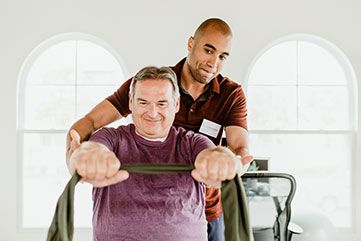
[
  {"x": 297, "y": 86},
  {"x": 76, "y": 80},
  {"x": 302, "y": 132},
  {"x": 47, "y": 131}
]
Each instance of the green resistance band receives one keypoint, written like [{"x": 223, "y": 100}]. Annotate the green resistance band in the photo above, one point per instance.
[{"x": 235, "y": 211}]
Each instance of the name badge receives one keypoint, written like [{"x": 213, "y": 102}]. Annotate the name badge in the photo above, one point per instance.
[{"x": 209, "y": 128}]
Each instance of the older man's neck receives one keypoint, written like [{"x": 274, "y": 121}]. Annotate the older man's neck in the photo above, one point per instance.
[{"x": 151, "y": 139}]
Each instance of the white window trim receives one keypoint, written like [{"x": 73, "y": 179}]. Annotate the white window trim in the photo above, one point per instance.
[
  {"x": 336, "y": 52},
  {"x": 352, "y": 85},
  {"x": 84, "y": 233}
]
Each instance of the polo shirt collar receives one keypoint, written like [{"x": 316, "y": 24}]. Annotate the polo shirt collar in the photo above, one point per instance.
[{"x": 214, "y": 84}]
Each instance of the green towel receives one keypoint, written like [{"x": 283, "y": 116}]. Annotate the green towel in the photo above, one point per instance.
[{"x": 237, "y": 226}]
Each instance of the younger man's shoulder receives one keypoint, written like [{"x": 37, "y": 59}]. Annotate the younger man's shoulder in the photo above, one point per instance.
[{"x": 225, "y": 82}]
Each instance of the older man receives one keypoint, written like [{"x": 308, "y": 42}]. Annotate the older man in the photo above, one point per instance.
[
  {"x": 209, "y": 103},
  {"x": 147, "y": 207}
]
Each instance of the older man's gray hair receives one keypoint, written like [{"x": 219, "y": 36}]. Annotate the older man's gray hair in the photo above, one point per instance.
[{"x": 155, "y": 73}]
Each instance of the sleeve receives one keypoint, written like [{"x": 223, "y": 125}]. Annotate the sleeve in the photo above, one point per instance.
[
  {"x": 106, "y": 136},
  {"x": 120, "y": 98},
  {"x": 199, "y": 143},
  {"x": 238, "y": 111}
]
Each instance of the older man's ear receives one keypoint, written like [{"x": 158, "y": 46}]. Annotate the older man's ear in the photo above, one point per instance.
[
  {"x": 177, "y": 105},
  {"x": 130, "y": 102}
]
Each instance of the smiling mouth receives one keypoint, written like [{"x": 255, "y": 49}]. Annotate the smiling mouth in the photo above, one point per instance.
[
  {"x": 152, "y": 121},
  {"x": 209, "y": 72}
]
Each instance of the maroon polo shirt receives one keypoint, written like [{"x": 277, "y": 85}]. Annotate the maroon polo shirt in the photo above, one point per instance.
[{"x": 223, "y": 103}]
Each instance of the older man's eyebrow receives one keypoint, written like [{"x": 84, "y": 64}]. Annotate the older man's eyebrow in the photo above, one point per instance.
[
  {"x": 214, "y": 48},
  {"x": 140, "y": 99},
  {"x": 159, "y": 101}
]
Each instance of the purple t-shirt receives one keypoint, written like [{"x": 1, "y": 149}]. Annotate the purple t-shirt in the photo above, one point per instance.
[{"x": 151, "y": 207}]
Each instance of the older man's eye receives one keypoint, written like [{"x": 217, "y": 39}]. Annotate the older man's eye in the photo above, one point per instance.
[{"x": 163, "y": 104}]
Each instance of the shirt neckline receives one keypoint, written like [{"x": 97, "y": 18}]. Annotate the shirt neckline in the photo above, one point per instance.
[{"x": 152, "y": 143}]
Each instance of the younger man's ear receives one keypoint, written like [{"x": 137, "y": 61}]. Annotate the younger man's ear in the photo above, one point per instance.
[{"x": 190, "y": 43}]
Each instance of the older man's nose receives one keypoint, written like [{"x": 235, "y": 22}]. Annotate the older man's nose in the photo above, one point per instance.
[{"x": 152, "y": 111}]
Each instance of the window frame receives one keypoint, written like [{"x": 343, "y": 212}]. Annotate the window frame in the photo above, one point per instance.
[
  {"x": 20, "y": 115},
  {"x": 334, "y": 51},
  {"x": 352, "y": 87}
]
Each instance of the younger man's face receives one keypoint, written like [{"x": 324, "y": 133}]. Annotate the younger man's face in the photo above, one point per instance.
[{"x": 207, "y": 54}]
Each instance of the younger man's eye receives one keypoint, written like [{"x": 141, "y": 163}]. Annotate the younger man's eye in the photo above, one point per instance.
[{"x": 223, "y": 57}]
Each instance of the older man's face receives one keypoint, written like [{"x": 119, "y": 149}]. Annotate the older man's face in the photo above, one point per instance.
[{"x": 153, "y": 108}]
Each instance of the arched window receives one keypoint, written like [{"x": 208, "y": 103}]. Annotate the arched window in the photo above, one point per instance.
[
  {"x": 302, "y": 114},
  {"x": 61, "y": 80}
]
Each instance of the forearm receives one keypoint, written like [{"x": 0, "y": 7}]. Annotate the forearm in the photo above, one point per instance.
[
  {"x": 243, "y": 152},
  {"x": 237, "y": 142},
  {"x": 102, "y": 114},
  {"x": 85, "y": 127}
]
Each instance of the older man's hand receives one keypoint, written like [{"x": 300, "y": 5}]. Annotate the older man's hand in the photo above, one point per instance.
[
  {"x": 214, "y": 165},
  {"x": 97, "y": 165}
]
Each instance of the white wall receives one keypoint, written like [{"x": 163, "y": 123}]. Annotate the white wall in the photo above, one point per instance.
[{"x": 155, "y": 32}]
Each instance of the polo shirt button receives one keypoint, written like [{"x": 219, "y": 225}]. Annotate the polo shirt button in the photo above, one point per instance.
[{"x": 192, "y": 110}]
